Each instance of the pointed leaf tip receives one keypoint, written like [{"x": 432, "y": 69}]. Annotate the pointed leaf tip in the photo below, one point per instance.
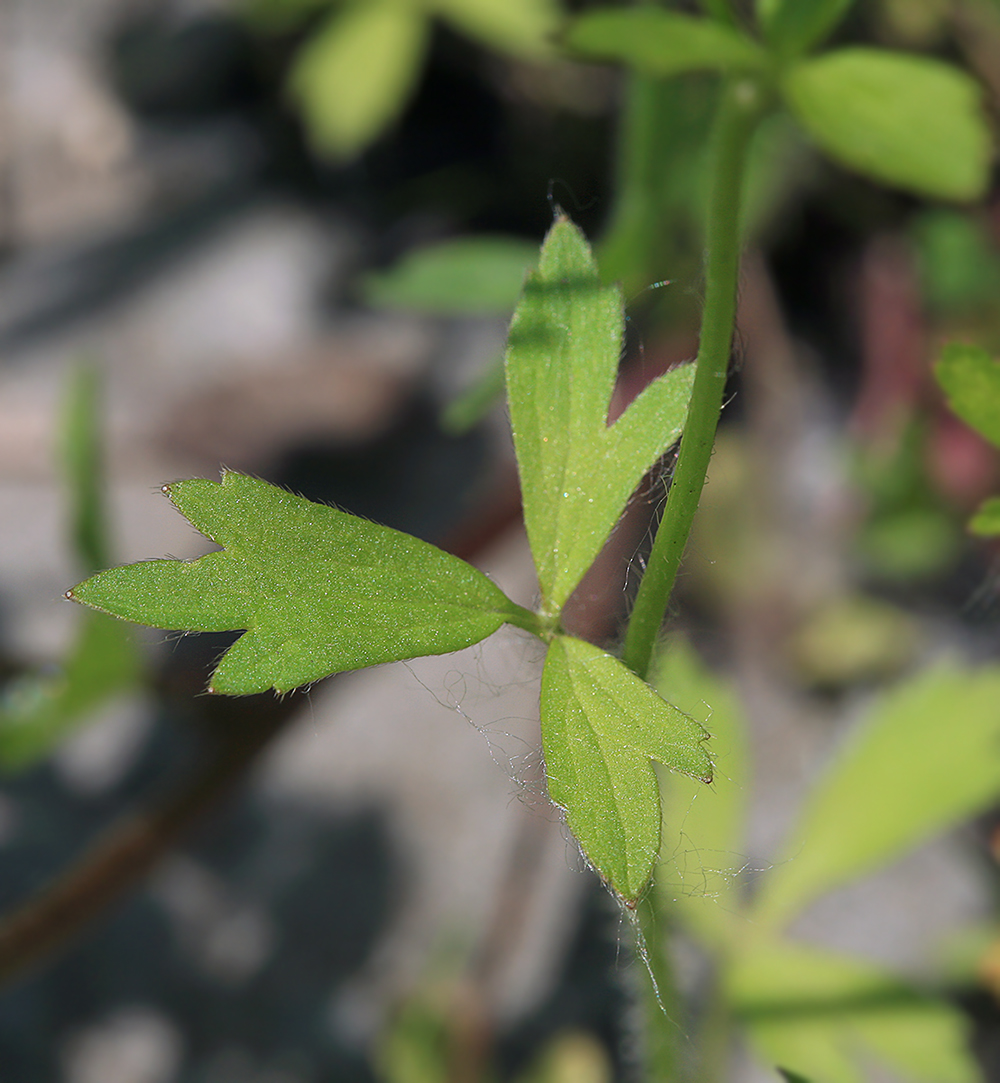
[
  {"x": 315, "y": 590},
  {"x": 577, "y": 472},
  {"x": 601, "y": 726}
]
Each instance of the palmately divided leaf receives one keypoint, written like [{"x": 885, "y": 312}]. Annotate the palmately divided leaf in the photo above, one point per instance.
[
  {"x": 577, "y": 473},
  {"x": 908, "y": 121},
  {"x": 601, "y": 726},
  {"x": 317, "y": 590}
]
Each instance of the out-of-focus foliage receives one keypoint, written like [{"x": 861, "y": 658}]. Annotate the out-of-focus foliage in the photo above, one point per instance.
[
  {"x": 39, "y": 708},
  {"x": 907, "y": 121},
  {"x": 904, "y": 778},
  {"x": 354, "y": 74},
  {"x": 470, "y": 274}
]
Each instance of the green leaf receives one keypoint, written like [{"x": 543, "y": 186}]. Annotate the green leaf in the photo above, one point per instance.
[
  {"x": 562, "y": 357},
  {"x": 522, "y": 27},
  {"x": 986, "y": 522},
  {"x": 470, "y": 274},
  {"x": 318, "y": 591},
  {"x": 469, "y": 407},
  {"x": 704, "y": 831},
  {"x": 658, "y": 42},
  {"x": 794, "y": 26},
  {"x": 927, "y": 758},
  {"x": 82, "y": 466},
  {"x": 908, "y": 121},
  {"x": 825, "y": 1017},
  {"x": 792, "y": 1077},
  {"x": 970, "y": 379},
  {"x": 353, "y": 76},
  {"x": 601, "y": 725},
  {"x": 37, "y": 710}
]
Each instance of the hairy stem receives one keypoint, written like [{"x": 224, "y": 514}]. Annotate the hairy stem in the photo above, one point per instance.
[
  {"x": 739, "y": 110},
  {"x": 660, "y": 1007}
]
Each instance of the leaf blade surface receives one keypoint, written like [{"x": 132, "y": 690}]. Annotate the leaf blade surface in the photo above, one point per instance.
[
  {"x": 601, "y": 726},
  {"x": 908, "y": 121},
  {"x": 316, "y": 590}
]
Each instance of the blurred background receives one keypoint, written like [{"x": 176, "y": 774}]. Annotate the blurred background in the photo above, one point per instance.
[{"x": 213, "y": 255}]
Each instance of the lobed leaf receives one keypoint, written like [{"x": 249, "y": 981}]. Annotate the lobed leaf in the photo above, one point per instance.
[
  {"x": 907, "y": 121},
  {"x": 927, "y": 758},
  {"x": 601, "y": 726},
  {"x": 317, "y": 590},
  {"x": 795, "y": 26},
  {"x": 353, "y": 75},
  {"x": 658, "y": 42},
  {"x": 825, "y": 1017},
  {"x": 970, "y": 379},
  {"x": 576, "y": 472}
]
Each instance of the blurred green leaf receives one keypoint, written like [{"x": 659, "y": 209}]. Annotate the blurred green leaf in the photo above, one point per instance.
[
  {"x": 795, "y": 26},
  {"x": 851, "y": 638},
  {"x": 562, "y": 359},
  {"x": 39, "y": 709},
  {"x": 970, "y": 379},
  {"x": 792, "y": 1077},
  {"x": 959, "y": 265},
  {"x": 824, "y": 1017},
  {"x": 601, "y": 725},
  {"x": 353, "y": 75},
  {"x": 81, "y": 459},
  {"x": 907, "y": 121},
  {"x": 470, "y": 274},
  {"x": 570, "y": 1057},
  {"x": 522, "y": 27},
  {"x": 469, "y": 407},
  {"x": 415, "y": 1047},
  {"x": 658, "y": 42},
  {"x": 703, "y": 830},
  {"x": 318, "y": 591},
  {"x": 986, "y": 522},
  {"x": 927, "y": 757}
]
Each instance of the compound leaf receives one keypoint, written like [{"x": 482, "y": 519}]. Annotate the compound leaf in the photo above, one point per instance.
[
  {"x": 660, "y": 43},
  {"x": 577, "y": 472},
  {"x": 908, "y": 121},
  {"x": 601, "y": 726},
  {"x": 970, "y": 379},
  {"x": 317, "y": 590},
  {"x": 353, "y": 76}
]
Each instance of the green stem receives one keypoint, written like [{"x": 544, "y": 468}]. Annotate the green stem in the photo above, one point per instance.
[
  {"x": 739, "y": 110},
  {"x": 660, "y": 1007}
]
